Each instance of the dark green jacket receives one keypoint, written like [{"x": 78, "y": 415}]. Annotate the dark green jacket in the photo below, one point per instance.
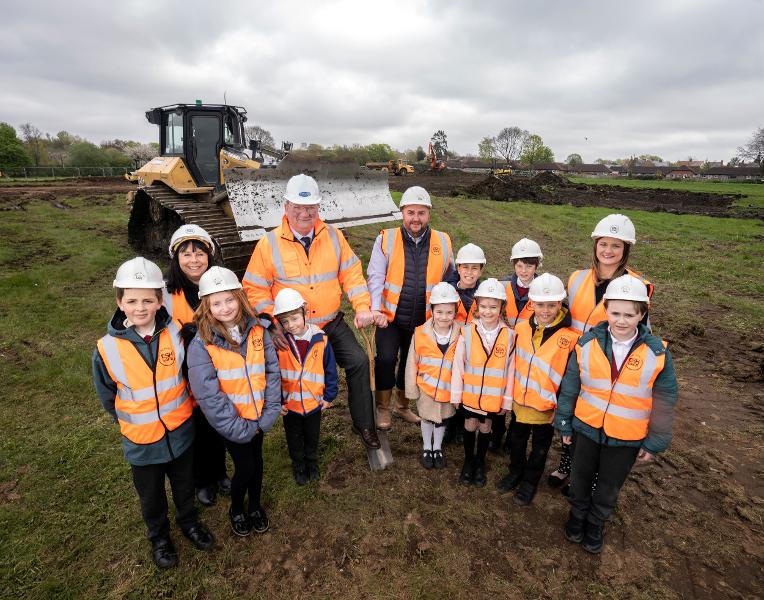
[
  {"x": 174, "y": 443},
  {"x": 665, "y": 391}
]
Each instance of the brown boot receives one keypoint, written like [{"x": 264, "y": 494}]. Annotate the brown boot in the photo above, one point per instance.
[
  {"x": 384, "y": 419},
  {"x": 402, "y": 409}
]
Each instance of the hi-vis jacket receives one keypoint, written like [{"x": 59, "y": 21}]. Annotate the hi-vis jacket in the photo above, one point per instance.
[
  {"x": 482, "y": 377},
  {"x": 539, "y": 370},
  {"x": 438, "y": 261},
  {"x": 433, "y": 367},
  {"x": 517, "y": 310},
  {"x": 304, "y": 384},
  {"x": 279, "y": 261},
  {"x": 581, "y": 296},
  {"x": 237, "y": 388},
  {"x": 634, "y": 409},
  {"x": 178, "y": 307},
  {"x": 140, "y": 384}
]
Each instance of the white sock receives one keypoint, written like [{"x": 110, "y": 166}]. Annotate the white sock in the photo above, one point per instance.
[
  {"x": 438, "y": 432},
  {"x": 427, "y": 427}
]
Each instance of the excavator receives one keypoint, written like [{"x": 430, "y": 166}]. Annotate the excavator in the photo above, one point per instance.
[
  {"x": 436, "y": 163},
  {"x": 204, "y": 176}
]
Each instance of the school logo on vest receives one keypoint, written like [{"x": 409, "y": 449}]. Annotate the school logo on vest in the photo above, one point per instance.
[
  {"x": 257, "y": 343},
  {"x": 563, "y": 342},
  {"x": 634, "y": 363},
  {"x": 500, "y": 351},
  {"x": 436, "y": 250},
  {"x": 167, "y": 356}
]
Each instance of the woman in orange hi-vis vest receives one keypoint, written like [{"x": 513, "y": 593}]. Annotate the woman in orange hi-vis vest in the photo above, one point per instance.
[
  {"x": 191, "y": 254},
  {"x": 613, "y": 238},
  {"x": 234, "y": 375},
  {"x": 481, "y": 379}
]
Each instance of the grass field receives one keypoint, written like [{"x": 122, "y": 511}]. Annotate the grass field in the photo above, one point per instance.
[{"x": 690, "y": 526}]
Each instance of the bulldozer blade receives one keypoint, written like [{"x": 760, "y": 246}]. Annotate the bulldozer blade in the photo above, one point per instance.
[
  {"x": 382, "y": 457},
  {"x": 351, "y": 195}
]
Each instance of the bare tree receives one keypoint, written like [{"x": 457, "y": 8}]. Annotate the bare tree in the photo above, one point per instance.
[
  {"x": 510, "y": 143},
  {"x": 754, "y": 149},
  {"x": 33, "y": 139},
  {"x": 257, "y": 133}
]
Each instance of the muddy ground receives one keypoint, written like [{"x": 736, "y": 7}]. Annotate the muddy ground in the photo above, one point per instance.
[{"x": 13, "y": 196}]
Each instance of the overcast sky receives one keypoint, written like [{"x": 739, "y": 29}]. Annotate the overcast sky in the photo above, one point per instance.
[{"x": 603, "y": 79}]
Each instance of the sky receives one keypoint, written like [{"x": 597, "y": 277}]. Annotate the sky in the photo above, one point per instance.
[{"x": 602, "y": 79}]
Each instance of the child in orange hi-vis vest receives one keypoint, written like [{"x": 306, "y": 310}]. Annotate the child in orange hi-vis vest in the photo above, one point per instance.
[
  {"x": 309, "y": 383},
  {"x": 481, "y": 379},
  {"x": 428, "y": 371},
  {"x": 543, "y": 345}
]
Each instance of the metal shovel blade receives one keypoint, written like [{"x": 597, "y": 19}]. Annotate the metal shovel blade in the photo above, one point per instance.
[{"x": 382, "y": 457}]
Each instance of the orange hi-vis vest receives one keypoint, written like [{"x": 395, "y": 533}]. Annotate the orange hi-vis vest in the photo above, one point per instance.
[
  {"x": 150, "y": 400},
  {"x": 242, "y": 379},
  {"x": 514, "y": 317},
  {"x": 485, "y": 374},
  {"x": 302, "y": 384},
  {"x": 539, "y": 371},
  {"x": 463, "y": 316},
  {"x": 581, "y": 295},
  {"x": 433, "y": 372},
  {"x": 178, "y": 307},
  {"x": 279, "y": 261},
  {"x": 437, "y": 264},
  {"x": 622, "y": 407}
]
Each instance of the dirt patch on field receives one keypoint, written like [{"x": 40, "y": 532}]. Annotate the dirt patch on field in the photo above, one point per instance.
[{"x": 15, "y": 197}]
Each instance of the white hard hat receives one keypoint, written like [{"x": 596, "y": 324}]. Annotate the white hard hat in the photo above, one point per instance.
[
  {"x": 139, "y": 273},
  {"x": 491, "y": 288},
  {"x": 546, "y": 288},
  {"x": 619, "y": 227},
  {"x": 526, "y": 248},
  {"x": 302, "y": 189},
  {"x": 471, "y": 255},
  {"x": 286, "y": 300},
  {"x": 415, "y": 195},
  {"x": 444, "y": 293},
  {"x": 627, "y": 287},
  {"x": 190, "y": 232},
  {"x": 218, "y": 279}
]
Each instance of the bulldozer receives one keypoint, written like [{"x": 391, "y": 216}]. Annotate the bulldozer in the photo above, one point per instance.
[{"x": 204, "y": 176}]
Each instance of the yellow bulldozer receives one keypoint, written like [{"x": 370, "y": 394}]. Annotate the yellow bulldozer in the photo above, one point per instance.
[
  {"x": 204, "y": 176},
  {"x": 396, "y": 167}
]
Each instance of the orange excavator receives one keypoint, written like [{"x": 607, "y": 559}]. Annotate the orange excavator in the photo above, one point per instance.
[{"x": 437, "y": 164}]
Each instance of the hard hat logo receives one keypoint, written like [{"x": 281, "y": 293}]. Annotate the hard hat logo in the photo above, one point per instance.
[
  {"x": 304, "y": 194},
  {"x": 614, "y": 229},
  {"x": 139, "y": 276},
  {"x": 217, "y": 281},
  {"x": 547, "y": 291},
  {"x": 626, "y": 289}
]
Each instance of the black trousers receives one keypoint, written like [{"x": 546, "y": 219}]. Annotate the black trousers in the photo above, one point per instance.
[
  {"x": 247, "y": 473},
  {"x": 613, "y": 463},
  {"x": 391, "y": 341},
  {"x": 498, "y": 428},
  {"x": 149, "y": 483},
  {"x": 530, "y": 466},
  {"x": 302, "y": 433},
  {"x": 352, "y": 358},
  {"x": 209, "y": 453}
]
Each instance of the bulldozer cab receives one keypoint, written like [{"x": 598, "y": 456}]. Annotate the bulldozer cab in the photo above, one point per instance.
[{"x": 197, "y": 133}]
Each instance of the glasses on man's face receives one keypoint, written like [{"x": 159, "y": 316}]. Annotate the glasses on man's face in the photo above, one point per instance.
[{"x": 310, "y": 209}]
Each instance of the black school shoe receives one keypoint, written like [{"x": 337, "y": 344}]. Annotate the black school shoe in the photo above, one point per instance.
[
  {"x": 524, "y": 494},
  {"x": 555, "y": 481},
  {"x": 438, "y": 460},
  {"x": 224, "y": 486},
  {"x": 509, "y": 482},
  {"x": 593, "y": 538},
  {"x": 206, "y": 496},
  {"x": 200, "y": 536},
  {"x": 163, "y": 553},
  {"x": 427, "y": 459},
  {"x": 313, "y": 473},
  {"x": 300, "y": 474},
  {"x": 240, "y": 524},
  {"x": 259, "y": 520},
  {"x": 478, "y": 473},
  {"x": 574, "y": 529},
  {"x": 465, "y": 478}
]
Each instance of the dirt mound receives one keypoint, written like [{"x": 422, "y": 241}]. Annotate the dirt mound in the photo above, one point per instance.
[
  {"x": 547, "y": 188},
  {"x": 15, "y": 195}
]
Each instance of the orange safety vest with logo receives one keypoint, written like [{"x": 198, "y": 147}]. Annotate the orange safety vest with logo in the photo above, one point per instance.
[
  {"x": 178, "y": 307},
  {"x": 437, "y": 264},
  {"x": 241, "y": 378},
  {"x": 150, "y": 400},
  {"x": 581, "y": 294},
  {"x": 279, "y": 261},
  {"x": 302, "y": 384},
  {"x": 433, "y": 372},
  {"x": 462, "y": 315},
  {"x": 513, "y": 316},
  {"x": 621, "y": 408},
  {"x": 539, "y": 371},
  {"x": 485, "y": 375}
]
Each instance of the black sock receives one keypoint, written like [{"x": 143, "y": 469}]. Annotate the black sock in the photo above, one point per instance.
[
  {"x": 469, "y": 445},
  {"x": 482, "y": 444}
]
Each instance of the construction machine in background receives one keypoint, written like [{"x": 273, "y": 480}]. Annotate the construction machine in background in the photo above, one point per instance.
[
  {"x": 396, "y": 167},
  {"x": 203, "y": 176},
  {"x": 437, "y": 163}
]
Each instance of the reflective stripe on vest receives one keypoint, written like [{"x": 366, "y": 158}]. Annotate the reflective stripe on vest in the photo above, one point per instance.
[
  {"x": 148, "y": 402},
  {"x": 539, "y": 371},
  {"x": 437, "y": 264},
  {"x": 302, "y": 385},
  {"x": 621, "y": 408},
  {"x": 178, "y": 307},
  {"x": 581, "y": 295},
  {"x": 242, "y": 379},
  {"x": 485, "y": 376},
  {"x": 433, "y": 373}
]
